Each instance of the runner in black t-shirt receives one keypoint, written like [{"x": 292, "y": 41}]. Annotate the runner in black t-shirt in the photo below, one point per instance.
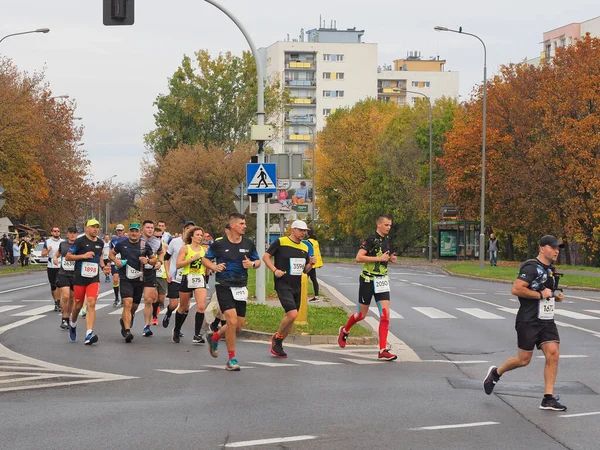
[
  {"x": 86, "y": 252},
  {"x": 374, "y": 253},
  {"x": 291, "y": 261},
  {"x": 536, "y": 287},
  {"x": 130, "y": 264},
  {"x": 64, "y": 279},
  {"x": 234, "y": 255}
]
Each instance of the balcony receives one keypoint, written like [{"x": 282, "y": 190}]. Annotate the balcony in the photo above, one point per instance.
[
  {"x": 298, "y": 137},
  {"x": 300, "y": 83},
  {"x": 392, "y": 91},
  {"x": 292, "y": 118},
  {"x": 310, "y": 65},
  {"x": 303, "y": 101}
]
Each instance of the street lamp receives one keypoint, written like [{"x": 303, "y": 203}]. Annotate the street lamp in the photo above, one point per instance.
[
  {"x": 39, "y": 30},
  {"x": 430, "y": 168},
  {"x": 481, "y": 225},
  {"x": 260, "y": 120},
  {"x": 106, "y": 206}
]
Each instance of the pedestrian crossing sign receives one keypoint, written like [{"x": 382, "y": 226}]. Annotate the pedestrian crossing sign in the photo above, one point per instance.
[{"x": 261, "y": 178}]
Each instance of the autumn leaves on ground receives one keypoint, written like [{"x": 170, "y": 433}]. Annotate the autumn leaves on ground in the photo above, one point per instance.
[{"x": 542, "y": 154}]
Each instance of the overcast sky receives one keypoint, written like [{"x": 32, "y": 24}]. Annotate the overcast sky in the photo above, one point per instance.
[{"x": 115, "y": 73}]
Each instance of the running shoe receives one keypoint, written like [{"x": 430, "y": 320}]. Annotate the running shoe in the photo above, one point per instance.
[
  {"x": 181, "y": 334},
  {"x": 232, "y": 365},
  {"x": 121, "y": 304},
  {"x": 56, "y": 306},
  {"x": 314, "y": 299},
  {"x": 155, "y": 321},
  {"x": 213, "y": 347},
  {"x": 175, "y": 337},
  {"x": 116, "y": 303},
  {"x": 64, "y": 324},
  {"x": 552, "y": 404},
  {"x": 342, "y": 338},
  {"x": 386, "y": 355},
  {"x": 90, "y": 339},
  {"x": 123, "y": 329},
  {"x": 213, "y": 327},
  {"x": 72, "y": 333},
  {"x": 490, "y": 380},
  {"x": 166, "y": 321},
  {"x": 147, "y": 331},
  {"x": 128, "y": 336},
  {"x": 198, "y": 339},
  {"x": 83, "y": 311},
  {"x": 277, "y": 347}
]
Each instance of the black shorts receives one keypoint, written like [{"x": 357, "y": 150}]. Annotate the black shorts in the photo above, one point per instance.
[
  {"x": 52, "y": 274},
  {"x": 532, "y": 334},
  {"x": 366, "y": 291},
  {"x": 64, "y": 281},
  {"x": 114, "y": 270},
  {"x": 173, "y": 290},
  {"x": 227, "y": 302},
  {"x": 183, "y": 287},
  {"x": 150, "y": 279},
  {"x": 131, "y": 289},
  {"x": 289, "y": 296}
]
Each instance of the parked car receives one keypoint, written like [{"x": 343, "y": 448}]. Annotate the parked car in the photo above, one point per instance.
[{"x": 36, "y": 255}]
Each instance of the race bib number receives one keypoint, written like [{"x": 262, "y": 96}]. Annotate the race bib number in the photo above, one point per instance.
[
  {"x": 297, "y": 266},
  {"x": 178, "y": 275},
  {"x": 132, "y": 274},
  {"x": 195, "y": 281},
  {"x": 381, "y": 284},
  {"x": 160, "y": 273},
  {"x": 89, "y": 269},
  {"x": 148, "y": 266},
  {"x": 546, "y": 309},
  {"x": 240, "y": 294},
  {"x": 68, "y": 266}
]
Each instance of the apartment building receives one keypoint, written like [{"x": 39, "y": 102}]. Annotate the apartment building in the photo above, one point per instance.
[
  {"x": 324, "y": 69},
  {"x": 413, "y": 76}
]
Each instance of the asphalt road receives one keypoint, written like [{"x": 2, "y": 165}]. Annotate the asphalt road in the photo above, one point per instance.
[{"x": 152, "y": 393}]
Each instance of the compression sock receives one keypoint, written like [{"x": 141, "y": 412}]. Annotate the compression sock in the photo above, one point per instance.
[
  {"x": 351, "y": 322},
  {"x": 384, "y": 326},
  {"x": 155, "y": 310},
  {"x": 116, "y": 290},
  {"x": 198, "y": 324},
  {"x": 231, "y": 354},
  {"x": 216, "y": 337}
]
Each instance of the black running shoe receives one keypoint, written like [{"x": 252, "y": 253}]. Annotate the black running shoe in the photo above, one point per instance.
[
  {"x": 166, "y": 320},
  {"x": 198, "y": 339},
  {"x": 64, "y": 324},
  {"x": 56, "y": 306},
  {"x": 147, "y": 331},
  {"x": 116, "y": 303},
  {"x": 214, "y": 328},
  {"x": 128, "y": 336},
  {"x": 490, "y": 380},
  {"x": 552, "y": 404},
  {"x": 175, "y": 336},
  {"x": 277, "y": 347},
  {"x": 122, "y": 327}
]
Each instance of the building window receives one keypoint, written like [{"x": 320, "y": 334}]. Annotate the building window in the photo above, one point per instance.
[
  {"x": 339, "y": 94},
  {"x": 326, "y": 57},
  {"x": 326, "y": 93},
  {"x": 426, "y": 83},
  {"x": 415, "y": 84},
  {"x": 333, "y": 57},
  {"x": 339, "y": 76},
  {"x": 327, "y": 75},
  {"x": 326, "y": 111}
]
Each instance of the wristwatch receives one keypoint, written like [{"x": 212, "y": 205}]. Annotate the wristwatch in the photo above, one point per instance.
[{"x": 541, "y": 296}]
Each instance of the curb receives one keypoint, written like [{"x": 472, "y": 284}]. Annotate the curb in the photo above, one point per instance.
[{"x": 306, "y": 339}]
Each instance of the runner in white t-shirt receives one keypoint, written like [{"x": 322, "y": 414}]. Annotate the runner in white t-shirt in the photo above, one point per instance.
[{"x": 49, "y": 250}]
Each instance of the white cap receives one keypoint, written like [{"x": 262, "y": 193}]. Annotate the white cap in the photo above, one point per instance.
[
  {"x": 299, "y": 224},
  {"x": 120, "y": 227}
]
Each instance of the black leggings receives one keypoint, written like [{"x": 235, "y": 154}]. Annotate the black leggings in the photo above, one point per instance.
[{"x": 313, "y": 277}]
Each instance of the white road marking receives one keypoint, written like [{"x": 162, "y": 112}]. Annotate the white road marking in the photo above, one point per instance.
[
  {"x": 455, "y": 362},
  {"x": 593, "y": 311},
  {"x": 393, "y": 314},
  {"x": 433, "y": 313},
  {"x": 460, "y": 425},
  {"x": 318, "y": 363},
  {"x": 267, "y": 364},
  {"x": 24, "y": 287},
  {"x": 404, "y": 352},
  {"x": 509, "y": 310},
  {"x": 362, "y": 361},
  {"x": 215, "y": 366},
  {"x": 584, "y": 298},
  {"x": 36, "y": 311},
  {"x": 480, "y": 313},
  {"x": 180, "y": 372},
  {"x": 268, "y": 441},
  {"x": 595, "y": 413},
  {"x": 564, "y": 356},
  {"x": 574, "y": 315},
  {"x": 10, "y": 307},
  {"x": 19, "y": 323}
]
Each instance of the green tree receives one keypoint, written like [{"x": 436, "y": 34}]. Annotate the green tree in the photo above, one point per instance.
[{"x": 211, "y": 101}]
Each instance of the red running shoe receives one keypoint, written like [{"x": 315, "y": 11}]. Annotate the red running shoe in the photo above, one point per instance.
[
  {"x": 342, "y": 338},
  {"x": 385, "y": 355}
]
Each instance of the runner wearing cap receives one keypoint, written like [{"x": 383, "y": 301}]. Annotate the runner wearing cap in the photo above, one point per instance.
[
  {"x": 536, "y": 287},
  {"x": 86, "y": 251},
  {"x": 64, "y": 279},
  {"x": 120, "y": 230},
  {"x": 173, "y": 274},
  {"x": 49, "y": 250},
  {"x": 130, "y": 256},
  {"x": 291, "y": 261}
]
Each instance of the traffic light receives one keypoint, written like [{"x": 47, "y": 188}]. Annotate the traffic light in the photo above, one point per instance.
[{"x": 117, "y": 12}]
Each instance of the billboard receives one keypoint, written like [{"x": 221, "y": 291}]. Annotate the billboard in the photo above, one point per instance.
[{"x": 448, "y": 243}]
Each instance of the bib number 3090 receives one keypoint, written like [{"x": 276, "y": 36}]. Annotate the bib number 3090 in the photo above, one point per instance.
[{"x": 381, "y": 284}]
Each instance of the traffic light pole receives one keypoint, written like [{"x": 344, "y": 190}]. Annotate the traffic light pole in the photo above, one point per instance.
[{"x": 260, "y": 120}]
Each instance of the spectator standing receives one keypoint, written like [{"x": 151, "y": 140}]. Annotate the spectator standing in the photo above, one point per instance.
[{"x": 493, "y": 249}]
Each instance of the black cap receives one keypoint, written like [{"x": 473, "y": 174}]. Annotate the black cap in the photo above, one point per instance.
[
  {"x": 71, "y": 230},
  {"x": 187, "y": 223},
  {"x": 551, "y": 241}
]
